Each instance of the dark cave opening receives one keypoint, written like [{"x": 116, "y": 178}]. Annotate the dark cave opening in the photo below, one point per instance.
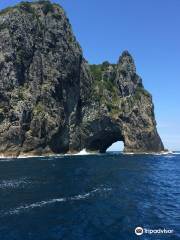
[{"x": 102, "y": 141}]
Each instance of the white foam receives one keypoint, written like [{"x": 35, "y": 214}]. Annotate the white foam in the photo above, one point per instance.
[
  {"x": 7, "y": 160},
  {"x": 166, "y": 153},
  {"x": 176, "y": 153},
  {"x": 15, "y": 183},
  {"x": 35, "y": 205},
  {"x": 44, "y": 158},
  {"x": 29, "y": 156},
  {"x": 128, "y": 153},
  {"x": 40, "y": 204},
  {"x": 80, "y": 196},
  {"x": 150, "y": 153},
  {"x": 4, "y": 158},
  {"x": 169, "y": 156}
]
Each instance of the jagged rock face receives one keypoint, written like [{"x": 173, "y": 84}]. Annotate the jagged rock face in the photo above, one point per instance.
[
  {"x": 126, "y": 78},
  {"x": 50, "y": 101},
  {"x": 123, "y": 110}
]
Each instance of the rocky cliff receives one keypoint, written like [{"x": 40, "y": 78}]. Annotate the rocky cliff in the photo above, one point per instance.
[{"x": 52, "y": 101}]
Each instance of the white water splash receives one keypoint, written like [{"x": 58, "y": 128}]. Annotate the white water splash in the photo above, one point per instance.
[{"x": 83, "y": 152}]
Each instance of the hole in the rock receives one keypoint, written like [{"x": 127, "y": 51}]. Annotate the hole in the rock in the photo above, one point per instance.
[{"x": 117, "y": 146}]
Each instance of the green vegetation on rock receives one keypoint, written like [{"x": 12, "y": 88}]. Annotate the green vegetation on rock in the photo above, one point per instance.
[
  {"x": 141, "y": 91},
  {"x": 106, "y": 92},
  {"x": 96, "y": 71},
  {"x": 6, "y": 10},
  {"x": 26, "y": 6},
  {"x": 21, "y": 93},
  {"x": 39, "y": 109}
]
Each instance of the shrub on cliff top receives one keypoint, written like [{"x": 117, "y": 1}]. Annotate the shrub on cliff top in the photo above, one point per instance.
[
  {"x": 26, "y": 6},
  {"x": 47, "y": 7}
]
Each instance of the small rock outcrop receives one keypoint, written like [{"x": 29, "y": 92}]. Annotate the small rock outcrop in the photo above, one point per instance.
[{"x": 53, "y": 101}]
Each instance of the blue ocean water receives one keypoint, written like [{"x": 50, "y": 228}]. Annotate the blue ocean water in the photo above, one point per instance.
[{"x": 92, "y": 197}]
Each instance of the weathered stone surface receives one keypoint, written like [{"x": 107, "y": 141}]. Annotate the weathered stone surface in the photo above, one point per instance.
[{"x": 52, "y": 101}]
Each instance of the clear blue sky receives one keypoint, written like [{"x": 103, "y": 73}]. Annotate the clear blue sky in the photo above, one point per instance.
[{"x": 149, "y": 30}]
